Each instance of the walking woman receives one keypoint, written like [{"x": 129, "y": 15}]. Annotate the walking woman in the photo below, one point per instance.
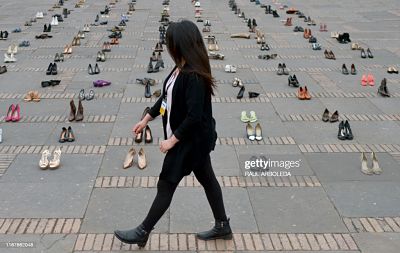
[{"x": 189, "y": 133}]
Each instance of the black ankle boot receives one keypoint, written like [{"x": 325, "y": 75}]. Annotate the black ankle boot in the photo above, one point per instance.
[
  {"x": 134, "y": 236},
  {"x": 221, "y": 230}
]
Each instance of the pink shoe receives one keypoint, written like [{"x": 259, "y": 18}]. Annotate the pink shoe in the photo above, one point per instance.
[
  {"x": 364, "y": 80},
  {"x": 16, "y": 115},
  {"x": 325, "y": 28},
  {"x": 10, "y": 113},
  {"x": 371, "y": 80},
  {"x": 321, "y": 27}
]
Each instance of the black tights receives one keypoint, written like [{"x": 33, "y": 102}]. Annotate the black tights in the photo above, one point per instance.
[{"x": 165, "y": 192}]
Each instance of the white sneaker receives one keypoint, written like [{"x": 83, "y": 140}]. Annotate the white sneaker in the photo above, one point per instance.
[
  {"x": 230, "y": 69},
  {"x": 39, "y": 14},
  {"x": 8, "y": 59}
]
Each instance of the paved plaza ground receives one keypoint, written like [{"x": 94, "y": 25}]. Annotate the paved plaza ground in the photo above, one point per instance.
[{"x": 326, "y": 204}]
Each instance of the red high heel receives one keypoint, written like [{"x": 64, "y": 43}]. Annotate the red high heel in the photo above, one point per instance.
[
  {"x": 10, "y": 113},
  {"x": 16, "y": 115}
]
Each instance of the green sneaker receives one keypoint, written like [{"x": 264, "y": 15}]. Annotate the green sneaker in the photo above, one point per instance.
[
  {"x": 244, "y": 117},
  {"x": 253, "y": 117}
]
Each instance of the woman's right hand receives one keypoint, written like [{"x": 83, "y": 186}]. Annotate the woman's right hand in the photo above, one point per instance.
[{"x": 138, "y": 128}]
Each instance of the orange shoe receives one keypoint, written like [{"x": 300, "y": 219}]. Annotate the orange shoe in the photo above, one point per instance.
[
  {"x": 371, "y": 80},
  {"x": 364, "y": 80},
  {"x": 305, "y": 35},
  {"x": 300, "y": 93},
  {"x": 307, "y": 95}
]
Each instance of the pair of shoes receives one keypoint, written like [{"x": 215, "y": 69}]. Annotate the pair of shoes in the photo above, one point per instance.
[
  {"x": 146, "y": 135},
  {"x": 83, "y": 96},
  {"x": 316, "y": 46},
  {"x": 345, "y": 132},
  {"x": 3, "y": 69},
  {"x": 59, "y": 57},
  {"x": 156, "y": 68},
  {"x": 146, "y": 81},
  {"x": 52, "y": 69},
  {"x": 12, "y": 49},
  {"x": 24, "y": 43},
  {"x": 13, "y": 113},
  {"x": 312, "y": 39},
  {"x": 367, "y": 80},
  {"x": 43, "y": 36},
  {"x": 355, "y": 46},
  {"x": 333, "y": 118},
  {"x": 76, "y": 41},
  {"x": 101, "y": 83},
  {"x": 282, "y": 70},
  {"x": 39, "y": 15},
  {"x": 67, "y": 135},
  {"x": 81, "y": 35},
  {"x": 129, "y": 159},
  {"x": 156, "y": 57},
  {"x": 67, "y": 49},
  {"x": 342, "y": 38},
  {"x": 101, "y": 56},
  {"x": 245, "y": 119},
  {"x": 298, "y": 29},
  {"x": 392, "y": 70},
  {"x": 329, "y": 55},
  {"x": 364, "y": 55},
  {"x": 230, "y": 68},
  {"x": 94, "y": 71},
  {"x": 54, "y": 21},
  {"x": 86, "y": 28},
  {"x": 76, "y": 115},
  {"x": 323, "y": 27},
  {"x": 292, "y": 81},
  {"x": 50, "y": 83},
  {"x": 237, "y": 82},
  {"x": 383, "y": 90},
  {"x": 106, "y": 47},
  {"x": 216, "y": 56},
  {"x": 376, "y": 169},
  {"x": 254, "y": 133},
  {"x": 54, "y": 163},
  {"x": 114, "y": 41},
  {"x": 9, "y": 58},
  {"x": 158, "y": 47},
  {"x": 267, "y": 56},
  {"x": 32, "y": 96},
  {"x": 117, "y": 35},
  {"x": 288, "y": 22},
  {"x": 303, "y": 94},
  {"x": 264, "y": 47},
  {"x": 206, "y": 29},
  {"x": 307, "y": 33},
  {"x": 213, "y": 46},
  {"x": 47, "y": 28},
  {"x": 345, "y": 71},
  {"x": 16, "y": 30}
]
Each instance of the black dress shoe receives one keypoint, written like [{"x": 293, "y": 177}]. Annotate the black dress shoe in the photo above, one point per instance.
[
  {"x": 349, "y": 133},
  {"x": 353, "y": 70},
  {"x": 221, "y": 230},
  {"x": 54, "y": 69},
  {"x": 325, "y": 115},
  {"x": 383, "y": 90},
  {"x": 345, "y": 71},
  {"x": 241, "y": 92},
  {"x": 147, "y": 92},
  {"x": 342, "y": 131},
  {"x": 96, "y": 69},
  {"x": 363, "y": 55},
  {"x": 90, "y": 70},
  {"x": 134, "y": 236},
  {"x": 369, "y": 53},
  {"x": 150, "y": 67},
  {"x": 253, "y": 94},
  {"x": 49, "y": 69}
]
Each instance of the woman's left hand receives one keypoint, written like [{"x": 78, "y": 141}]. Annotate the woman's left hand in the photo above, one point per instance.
[{"x": 168, "y": 144}]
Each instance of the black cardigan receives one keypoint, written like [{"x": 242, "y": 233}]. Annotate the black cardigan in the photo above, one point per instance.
[{"x": 191, "y": 122}]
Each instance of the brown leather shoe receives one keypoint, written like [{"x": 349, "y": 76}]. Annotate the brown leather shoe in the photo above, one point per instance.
[
  {"x": 73, "y": 111},
  {"x": 79, "y": 114}
]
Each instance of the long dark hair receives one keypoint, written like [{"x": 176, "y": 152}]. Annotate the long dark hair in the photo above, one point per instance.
[{"x": 184, "y": 41}]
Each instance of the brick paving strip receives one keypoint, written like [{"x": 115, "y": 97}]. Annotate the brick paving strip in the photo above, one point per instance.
[
  {"x": 260, "y": 99},
  {"x": 54, "y": 95},
  {"x": 65, "y": 149},
  {"x": 352, "y": 117},
  {"x": 250, "y": 242},
  {"x": 64, "y": 118},
  {"x": 285, "y": 140},
  {"x": 40, "y": 226},
  {"x": 349, "y": 148},
  {"x": 374, "y": 225},
  {"x": 5, "y": 162},
  {"x": 225, "y": 181}
]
